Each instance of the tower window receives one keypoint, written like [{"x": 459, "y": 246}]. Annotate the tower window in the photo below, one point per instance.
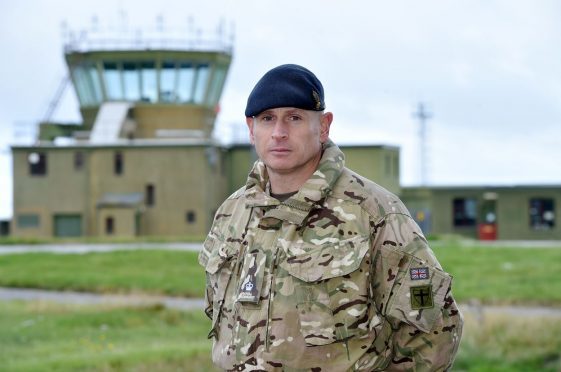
[
  {"x": 131, "y": 79},
  {"x": 185, "y": 82},
  {"x": 149, "y": 82},
  {"x": 201, "y": 81},
  {"x": 113, "y": 85},
  {"x": 167, "y": 82}
]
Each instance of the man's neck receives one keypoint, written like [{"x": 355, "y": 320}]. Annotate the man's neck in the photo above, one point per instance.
[{"x": 282, "y": 184}]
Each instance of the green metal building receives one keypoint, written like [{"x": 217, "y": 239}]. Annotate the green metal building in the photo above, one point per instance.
[{"x": 487, "y": 212}]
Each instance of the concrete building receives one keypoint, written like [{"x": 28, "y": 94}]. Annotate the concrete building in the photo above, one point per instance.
[{"x": 143, "y": 161}]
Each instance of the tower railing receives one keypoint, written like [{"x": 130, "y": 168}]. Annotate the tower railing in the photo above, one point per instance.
[{"x": 148, "y": 38}]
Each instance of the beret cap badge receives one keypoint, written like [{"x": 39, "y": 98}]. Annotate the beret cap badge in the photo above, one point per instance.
[
  {"x": 317, "y": 99},
  {"x": 286, "y": 86}
]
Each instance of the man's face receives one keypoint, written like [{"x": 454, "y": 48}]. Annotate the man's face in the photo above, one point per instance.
[{"x": 288, "y": 140}]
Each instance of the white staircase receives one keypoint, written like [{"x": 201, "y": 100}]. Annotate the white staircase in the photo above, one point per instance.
[{"x": 109, "y": 122}]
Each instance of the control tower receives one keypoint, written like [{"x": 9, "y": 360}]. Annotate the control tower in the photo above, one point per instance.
[
  {"x": 167, "y": 87},
  {"x": 142, "y": 161}
]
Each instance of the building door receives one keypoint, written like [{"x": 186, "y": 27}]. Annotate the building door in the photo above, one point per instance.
[
  {"x": 488, "y": 227},
  {"x": 67, "y": 225}
]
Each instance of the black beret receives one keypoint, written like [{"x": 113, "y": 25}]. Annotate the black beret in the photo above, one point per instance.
[{"x": 286, "y": 86}]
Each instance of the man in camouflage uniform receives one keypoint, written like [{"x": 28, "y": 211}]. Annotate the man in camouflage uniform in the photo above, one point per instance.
[{"x": 311, "y": 267}]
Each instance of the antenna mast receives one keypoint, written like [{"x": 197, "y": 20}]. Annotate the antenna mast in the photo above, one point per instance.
[{"x": 423, "y": 115}]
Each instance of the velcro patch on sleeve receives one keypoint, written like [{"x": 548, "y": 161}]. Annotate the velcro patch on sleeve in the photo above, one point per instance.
[
  {"x": 419, "y": 273},
  {"x": 421, "y": 297}
]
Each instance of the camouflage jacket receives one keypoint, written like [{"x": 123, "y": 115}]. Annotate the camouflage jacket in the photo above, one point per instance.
[{"x": 336, "y": 278}]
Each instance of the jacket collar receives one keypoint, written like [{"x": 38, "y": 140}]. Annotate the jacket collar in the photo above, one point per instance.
[{"x": 297, "y": 207}]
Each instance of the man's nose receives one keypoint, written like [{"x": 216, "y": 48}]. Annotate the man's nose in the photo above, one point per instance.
[{"x": 279, "y": 130}]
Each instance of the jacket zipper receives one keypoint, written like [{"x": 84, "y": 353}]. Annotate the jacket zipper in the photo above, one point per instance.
[
  {"x": 303, "y": 209},
  {"x": 237, "y": 268},
  {"x": 269, "y": 300}
]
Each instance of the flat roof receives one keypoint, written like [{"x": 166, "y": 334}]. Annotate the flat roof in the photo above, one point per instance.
[
  {"x": 483, "y": 187},
  {"x": 341, "y": 146},
  {"x": 121, "y": 143}
]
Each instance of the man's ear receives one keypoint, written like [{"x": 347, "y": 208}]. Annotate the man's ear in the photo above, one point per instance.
[
  {"x": 325, "y": 124},
  {"x": 249, "y": 122}
]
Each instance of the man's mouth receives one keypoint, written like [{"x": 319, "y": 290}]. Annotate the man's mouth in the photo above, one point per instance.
[{"x": 279, "y": 150}]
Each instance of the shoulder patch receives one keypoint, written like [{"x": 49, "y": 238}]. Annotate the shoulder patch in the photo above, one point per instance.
[
  {"x": 419, "y": 273},
  {"x": 421, "y": 297}
]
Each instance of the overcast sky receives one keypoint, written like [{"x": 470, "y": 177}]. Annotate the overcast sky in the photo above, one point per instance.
[{"x": 489, "y": 72}]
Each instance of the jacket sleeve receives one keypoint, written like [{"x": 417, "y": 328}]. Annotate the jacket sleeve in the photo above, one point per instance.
[
  {"x": 416, "y": 298},
  {"x": 204, "y": 255}
]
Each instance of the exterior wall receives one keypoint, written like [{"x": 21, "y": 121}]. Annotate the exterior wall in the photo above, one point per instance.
[
  {"x": 377, "y": 163},
  {"x": 124, "y": 224},
  {"x": 60, "y": 191},
  {"x": 183, "y": 181},
  {"x": 186, "y": 179},
  {"x": 443, "y": 214},
  {"x": 240, "y": 159},
  {"x": 419, "y": 202},
  {"x": 514, "y": 217},
  {"x": 151, "y": 117}
]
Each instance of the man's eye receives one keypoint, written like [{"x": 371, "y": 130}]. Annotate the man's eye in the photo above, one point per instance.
[
  {"x": 265, "y": 118},
  {"x": 294, "y": 118}
]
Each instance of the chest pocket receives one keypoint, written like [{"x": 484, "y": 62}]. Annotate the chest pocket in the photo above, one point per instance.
[
  {"x": 218, "y": 259},
  {"x": 331, "y": 289}
]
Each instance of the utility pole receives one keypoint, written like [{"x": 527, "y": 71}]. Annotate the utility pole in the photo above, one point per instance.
[{"x": 423, "y": 115}]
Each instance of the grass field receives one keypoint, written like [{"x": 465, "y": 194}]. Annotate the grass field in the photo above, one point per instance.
[
  {"x": 501, "y": 343},
  {"x": 38, "y": 336},
  {"x": 487, "y": 274},
  {"x": 504, "y": 275},
  {"x": 175, "y": 273},
  {"x": 46, "y": 337},
  {"x": 12, "y": 240}
]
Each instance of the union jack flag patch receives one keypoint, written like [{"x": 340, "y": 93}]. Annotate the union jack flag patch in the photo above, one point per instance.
[{"x": 419, "y": 273}]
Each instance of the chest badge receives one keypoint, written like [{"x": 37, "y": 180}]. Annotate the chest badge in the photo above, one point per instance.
[
  {"x": 248, "y": 290},
  {"x": 251, "y": 282}
]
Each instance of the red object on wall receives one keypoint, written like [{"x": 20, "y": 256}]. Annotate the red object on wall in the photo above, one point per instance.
[{"x": 487, "y": 231}]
